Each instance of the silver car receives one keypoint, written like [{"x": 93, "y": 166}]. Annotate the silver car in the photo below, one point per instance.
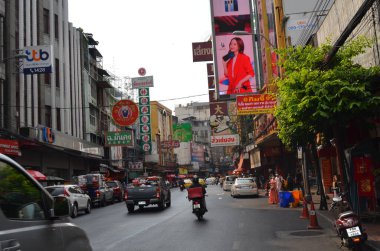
[
  {"x": 244, "y": 187},
  {"x": 228, "y": 181},
  {"x": 79, "y": 200},
  {"x": 30, "y": 218}
]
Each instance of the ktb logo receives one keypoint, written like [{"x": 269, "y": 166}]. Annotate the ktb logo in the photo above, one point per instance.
[{"x": 36, "y": 56}]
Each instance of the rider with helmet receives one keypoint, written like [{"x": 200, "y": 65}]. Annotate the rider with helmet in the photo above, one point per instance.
[{"x": 197, "y": 184}]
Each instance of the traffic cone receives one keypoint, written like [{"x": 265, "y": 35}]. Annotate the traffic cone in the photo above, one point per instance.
[
  {"x": 313, "y": 218},
  {"x": 305, "y": 211}
]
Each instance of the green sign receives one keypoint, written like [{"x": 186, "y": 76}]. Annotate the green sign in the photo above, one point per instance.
[
  {"x": 123, "y": 138},
  {"x": 182, "y": 132}
]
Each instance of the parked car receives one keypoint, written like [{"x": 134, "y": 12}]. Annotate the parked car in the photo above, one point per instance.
[
  {"x": 31, "y": 218},
  {"x": 118, "y": 189},
  {"x": 79, "y": 200},
  {"x": 153, "y": 191},
  {"x": 228, "y": 181},
  {"x": 244, "y": 187},
  {"x": 211, "y": 181},
  {"x": 95, "y": 186}
]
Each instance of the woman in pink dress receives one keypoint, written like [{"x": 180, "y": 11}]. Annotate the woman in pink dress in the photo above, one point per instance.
[{"x": 273, "y": 193}]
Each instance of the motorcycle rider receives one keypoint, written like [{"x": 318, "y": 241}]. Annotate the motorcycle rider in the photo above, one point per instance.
[{"x": 197, "y": 184}]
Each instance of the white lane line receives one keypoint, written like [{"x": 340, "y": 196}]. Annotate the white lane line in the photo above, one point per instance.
[
  {"x": 220, "y": 198},
  {"x": 236, "y": 245},
  {"x": 219, "y": 194}
]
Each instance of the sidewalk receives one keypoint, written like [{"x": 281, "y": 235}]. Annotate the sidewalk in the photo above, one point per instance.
[{"x": 372, "y": 228}]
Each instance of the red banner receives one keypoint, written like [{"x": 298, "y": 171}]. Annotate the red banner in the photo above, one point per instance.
[
  {"x": 255, "y": 104},
  {"x": 10, "y": 147}
]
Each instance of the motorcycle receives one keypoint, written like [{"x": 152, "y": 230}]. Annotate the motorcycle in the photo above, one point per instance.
[
  {"x": 196, "y": 195},
  {"x": 347, "y": 224}
]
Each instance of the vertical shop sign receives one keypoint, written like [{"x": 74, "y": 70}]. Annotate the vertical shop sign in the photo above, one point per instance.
[{"x": 144, "y": 118}]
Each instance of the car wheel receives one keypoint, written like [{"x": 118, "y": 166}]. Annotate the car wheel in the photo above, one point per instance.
[
  {"x": 75, "y": 211},
  {"x": 161, "y": 205},
  {"x": 131, "y": 208},
  {"x": 169, "y": 203},
  {"x": 88, "y": 208},
  {"x": 103, "y": 203}
]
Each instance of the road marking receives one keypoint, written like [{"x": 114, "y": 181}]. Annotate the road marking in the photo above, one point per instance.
[
  {"x": 219, "y": 194},
  {"x": 241, "y": 225},
  {"x": 236, "y": 245},
  {"x": 220, "y": 198}
]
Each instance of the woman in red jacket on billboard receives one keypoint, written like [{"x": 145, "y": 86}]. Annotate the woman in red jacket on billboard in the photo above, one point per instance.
[{"x": 237, "y": 68}]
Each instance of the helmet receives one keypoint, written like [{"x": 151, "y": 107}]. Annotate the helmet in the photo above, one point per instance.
[{"x": 195, "y": 179}]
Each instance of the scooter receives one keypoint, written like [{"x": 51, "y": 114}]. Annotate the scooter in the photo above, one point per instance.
[
  {"x": 196, "y": 196},
  {"x": 347, "y": 224}
]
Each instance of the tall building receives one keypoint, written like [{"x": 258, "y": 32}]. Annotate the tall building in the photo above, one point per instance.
[{"x": 54, "y": 122}]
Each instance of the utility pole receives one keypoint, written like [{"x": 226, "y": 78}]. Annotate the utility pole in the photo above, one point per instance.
[{"x": 280, "y": 33}]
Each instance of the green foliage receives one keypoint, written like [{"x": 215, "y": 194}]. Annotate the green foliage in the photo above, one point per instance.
[{"x": 313, "y": 98}]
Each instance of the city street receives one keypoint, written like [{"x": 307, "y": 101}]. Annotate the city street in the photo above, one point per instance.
[{"x": 230, "y": 224}]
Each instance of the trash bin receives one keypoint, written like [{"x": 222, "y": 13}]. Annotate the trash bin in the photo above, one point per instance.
[
  {"x": 286, "y": 198},
  {"x": 297, "y": 196}
]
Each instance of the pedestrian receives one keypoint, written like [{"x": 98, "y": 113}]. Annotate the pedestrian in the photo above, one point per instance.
[
  {"x": 273, "y": 193},
  {"x": 290, "y": 185}
]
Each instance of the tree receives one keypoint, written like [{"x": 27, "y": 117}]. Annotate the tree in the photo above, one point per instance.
[{"x": 315, "y": 99}]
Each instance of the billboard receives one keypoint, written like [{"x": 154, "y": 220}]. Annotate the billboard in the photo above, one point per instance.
[
  {"x": 182, "y": 132},
  {"x": 223, "y": 124},
  {"x": 233, "y": 54},
  {"x": 38, "y": 59},
  {"x": 121, "y": 138},
  {"x": 256, "y": 104},
  {"x": 125, "y": 112},
  {"x": 142, "y": 82}
]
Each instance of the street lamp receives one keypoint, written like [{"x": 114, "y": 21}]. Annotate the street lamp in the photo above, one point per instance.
[{"x": 256, "y": 35}]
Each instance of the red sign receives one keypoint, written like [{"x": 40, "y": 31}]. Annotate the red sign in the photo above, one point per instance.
[
  {"x": 10, "y": 147},
  {"x": 170, "y": 144},
  {"x": 142, "y": 71},
  {"x": 255, "y": 104},
  {"x": 125, "y": 112}
]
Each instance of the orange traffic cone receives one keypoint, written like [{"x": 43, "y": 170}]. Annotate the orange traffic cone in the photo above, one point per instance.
[
  {"x": 313, "y": 218},
  {"x": 305, "y": 211}
]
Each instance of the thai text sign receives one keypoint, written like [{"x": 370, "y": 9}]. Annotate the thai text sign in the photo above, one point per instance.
[
  {"x": 10, "y": 147},
  {"x": 225, "y": 140},
  {"x": 167, "y": 144},
  {"x": 255, "y": 104},
  {"x": 142, "y": 82},
  {"x": 202, "y": 51},
  {"x": 123, "y": 138}
]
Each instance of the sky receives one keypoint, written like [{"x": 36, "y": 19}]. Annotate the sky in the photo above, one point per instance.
[{"x": 156, "y": 35}]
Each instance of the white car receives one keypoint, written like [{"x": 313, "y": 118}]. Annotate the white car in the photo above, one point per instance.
[
  {"x": 79, "y": 200},
  {"x": 228, "y": 181},
  {"x": 211, "y": 181},
  {"x": 244, "y": 187}
]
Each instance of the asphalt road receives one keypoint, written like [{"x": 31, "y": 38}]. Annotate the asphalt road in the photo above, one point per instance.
[{"x": 231, "y": 224}]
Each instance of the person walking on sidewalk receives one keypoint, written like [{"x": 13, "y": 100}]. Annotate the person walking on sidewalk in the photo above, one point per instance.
[{"x": 273, "y": 193}]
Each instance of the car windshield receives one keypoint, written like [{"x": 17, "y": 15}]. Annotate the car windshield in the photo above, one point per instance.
[
  {"x": 244, "y": 181},
  {"x": 55, "y": 191}
]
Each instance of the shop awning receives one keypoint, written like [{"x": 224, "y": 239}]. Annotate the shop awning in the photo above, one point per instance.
[{"x": 36, "y": 174}]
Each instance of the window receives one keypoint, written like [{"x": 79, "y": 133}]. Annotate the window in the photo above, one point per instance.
[
  {"x": 56, "y": 66},
  {"x": 92, "y": 116},
  {"x": 56, "y": 26},
  {"x": 59, "y": 119},
  {"x": 48, "y": 115},
  {"x": 47, "y": 79},
  {"x": 20, "y": 198},
  {"x": 46, "y": 21}
]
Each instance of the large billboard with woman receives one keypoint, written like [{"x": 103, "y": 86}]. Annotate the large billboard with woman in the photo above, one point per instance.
[{"x": 233, "y": 54}]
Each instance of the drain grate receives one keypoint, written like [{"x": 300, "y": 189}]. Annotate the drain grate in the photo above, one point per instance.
[{"x": 306, "y": 233}]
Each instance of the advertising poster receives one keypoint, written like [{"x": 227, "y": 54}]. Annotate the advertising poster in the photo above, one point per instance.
[
  {"x": 234, "y": 54},
  {"x": 223, "y": 124},
  {"x": 182, "y": 132}
]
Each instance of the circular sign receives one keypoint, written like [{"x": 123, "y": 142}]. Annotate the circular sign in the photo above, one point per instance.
[
  {"x": 142, "y": 71},
  {"x": 144, "y": 100},
  {"x": 125, "y": 112},
  {"x": 145, "y": 109},
  {"x": 146, "y": 147},
  {"x": 144, "y": 119},
  {"x": 145, "y": 138},
  {"x": 144, "y": 91}
]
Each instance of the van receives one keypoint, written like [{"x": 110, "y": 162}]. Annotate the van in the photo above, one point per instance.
[
  {"x": 32, "y": 219},
  {"x": 228, "y": 181}
]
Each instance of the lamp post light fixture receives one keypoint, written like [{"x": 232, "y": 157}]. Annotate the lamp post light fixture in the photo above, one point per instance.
[{"x": 255, "y": 35}]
